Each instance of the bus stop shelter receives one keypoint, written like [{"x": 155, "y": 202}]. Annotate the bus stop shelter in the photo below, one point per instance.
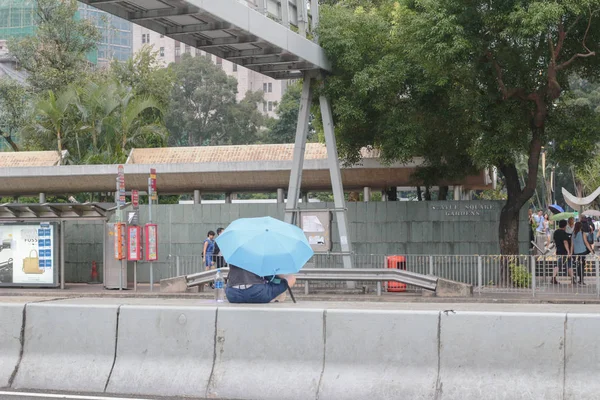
[{"x": 32, "y": 240}]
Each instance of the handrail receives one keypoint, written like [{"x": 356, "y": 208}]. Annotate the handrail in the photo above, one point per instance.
[{"x": 338, "y": 274}]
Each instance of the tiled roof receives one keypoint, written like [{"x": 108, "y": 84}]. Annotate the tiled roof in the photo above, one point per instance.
[
  {"x": 29, "y": 158},
  {"x": 215, "y": 154}
]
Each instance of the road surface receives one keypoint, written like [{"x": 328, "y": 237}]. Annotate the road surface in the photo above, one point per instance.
[{"x": 54, "y": 396}]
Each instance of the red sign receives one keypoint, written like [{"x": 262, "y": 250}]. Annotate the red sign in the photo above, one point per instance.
[
  {"x": 119, "y": 233},
  {"x": 153, "y": 183},
  {"x": 151, "y": 242},
  {"x": 134, "y": 243},
  {"x": 135, "y": 198}
]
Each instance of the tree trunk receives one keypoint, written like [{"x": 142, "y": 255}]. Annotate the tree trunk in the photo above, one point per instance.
[
  {"x": 517, "y": 197},
  {"x": 59, "y": 140},
  {"x": 509, "y": 216},
  {"x": 419, "y": 195},
  {"x": 443, "y": 193},
  {"x": 392, "y": 194},
  {"x": 11, "y": 142},
  {"x": 427, "y": 194}
]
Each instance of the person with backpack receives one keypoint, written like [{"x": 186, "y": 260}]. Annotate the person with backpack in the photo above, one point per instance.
[
  {"x": 218, "y": 260},
  {"x": 581, "y": 246}
]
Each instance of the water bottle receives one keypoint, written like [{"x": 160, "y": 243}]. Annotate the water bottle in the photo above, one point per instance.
[{"x": 219, "y": 287}]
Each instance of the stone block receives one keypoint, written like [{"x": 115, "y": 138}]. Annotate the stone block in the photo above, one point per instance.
[
  {"x": 175, "y": 356},
  {"x": 11, "y": 321},
  {"x": 67, "y": 347},
  {"x": 448, "y": 288},
  {"x": 582, "y": 357},
  {"x": 278, "y": 354},
  {"x": 502, "y": 355},
  {"x": 173, "y": 285},
  {"x": 371, "y": 368}
]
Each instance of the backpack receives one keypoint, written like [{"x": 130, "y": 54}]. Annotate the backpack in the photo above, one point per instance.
[{"x": 590, "y": 237}]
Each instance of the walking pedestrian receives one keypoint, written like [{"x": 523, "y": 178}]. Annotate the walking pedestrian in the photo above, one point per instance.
[
  {"x": 581, "y": 248},
  {"x": 547, "y": 230},
  {"x": 562, "y": 240},
  {"x": 207, "y": 251},
  {"x": 532, "y": 226}
]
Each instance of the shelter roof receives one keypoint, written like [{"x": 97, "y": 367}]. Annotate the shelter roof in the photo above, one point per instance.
[
  {"x": 246, "y": 153},
  {"x": 29, "y": 158},
  {"x": 257, "y": 168},
  {"x": 59, "y": 211}
]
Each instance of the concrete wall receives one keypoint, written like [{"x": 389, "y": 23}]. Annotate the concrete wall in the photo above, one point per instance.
[
  {"x": 456, "y": 227},
  {"x": 226, "y": 352}
]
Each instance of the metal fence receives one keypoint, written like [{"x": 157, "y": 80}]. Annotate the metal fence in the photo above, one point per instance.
[{"x": 524, "y": 275}]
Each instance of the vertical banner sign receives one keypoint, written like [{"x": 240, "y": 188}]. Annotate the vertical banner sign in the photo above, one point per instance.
[
  {"x": 119, "y": 234},
  {"x": 153, "y": 195},
  {"x": 135, "y": 199},
  {"x": 134, "y": 217},
  {"x": 134, "y": 243},
  {"x": 121, "y": 186},
  {"x": 151, "y": 245}
]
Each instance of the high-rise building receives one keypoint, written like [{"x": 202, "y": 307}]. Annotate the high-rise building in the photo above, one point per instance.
[
  {"x": 117, "y": 34},
  {"x": 170, "y": 50},
  {"x": 17, "y": 19}
]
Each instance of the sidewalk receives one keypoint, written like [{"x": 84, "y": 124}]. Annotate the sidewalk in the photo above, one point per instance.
[{"x": 82, "y": 290}]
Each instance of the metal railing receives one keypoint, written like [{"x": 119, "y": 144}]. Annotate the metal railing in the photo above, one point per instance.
[
  {"x": 489, "y": 274},
  {"x": 338, "y": 274}
]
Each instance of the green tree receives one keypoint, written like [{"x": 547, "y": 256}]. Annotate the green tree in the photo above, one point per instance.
[
  {"x": 493, "y": 73},
  {"x": 52, "y": 125},
  {"x": 55, "y": 55},
  {"x": 97, "y": 123},
  {"x": 283, "y": 128},
  {"x": 144, "y": 74},
  {"x": 245, "y": 122},
  {"x": 15, "y": 100},
  {"x": 201, "y": 99}
]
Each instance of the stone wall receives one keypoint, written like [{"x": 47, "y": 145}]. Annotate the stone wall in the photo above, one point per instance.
[{"x": 449, "y": 227}]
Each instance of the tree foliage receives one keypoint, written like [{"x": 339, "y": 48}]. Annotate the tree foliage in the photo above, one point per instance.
[
  {"x": 15, "y": 100},
  {"x": 203, "y": 107},
  {"x": 283, "y": 128},
  {"x": 55, "y": 55},
  {"x": 97, "y": 123},
  {"x": 485, "y": 81}
]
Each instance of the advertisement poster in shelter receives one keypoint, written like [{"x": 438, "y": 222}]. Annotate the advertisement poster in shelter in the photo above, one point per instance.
[{"x": 28, "y": 255}]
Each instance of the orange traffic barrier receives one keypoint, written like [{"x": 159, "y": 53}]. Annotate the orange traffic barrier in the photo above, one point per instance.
[{"x": 396, "y": 262}]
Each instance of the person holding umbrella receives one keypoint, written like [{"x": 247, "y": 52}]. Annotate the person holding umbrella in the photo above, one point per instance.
[
  {"x": 245, "y": 287},
  {"x": 263, "y": 254}
]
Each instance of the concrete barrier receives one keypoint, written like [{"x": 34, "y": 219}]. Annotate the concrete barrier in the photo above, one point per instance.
[
  {"x": 380, "y": 355},
  {"x": 507, "y": 356},
  {"x": 67, "y": 347},
  {"x": 284, "y": 352},
  {"x": 11, "y": 321},
  {"x": 582, "y": 357},
  {"x": 164, "y": 351},
  {"x": 268, "y": 353}
]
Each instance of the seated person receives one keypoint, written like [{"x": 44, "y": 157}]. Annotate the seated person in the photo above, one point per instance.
[{"x": 245, "y": 287}]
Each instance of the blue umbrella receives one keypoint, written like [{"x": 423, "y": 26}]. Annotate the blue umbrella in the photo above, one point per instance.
[
  {"x": 265, "y": 246},
  {"x": 556, "y": 209}
]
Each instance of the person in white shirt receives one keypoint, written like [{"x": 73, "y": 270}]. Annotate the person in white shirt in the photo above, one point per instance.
[{"x": 570, "y": 225}]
